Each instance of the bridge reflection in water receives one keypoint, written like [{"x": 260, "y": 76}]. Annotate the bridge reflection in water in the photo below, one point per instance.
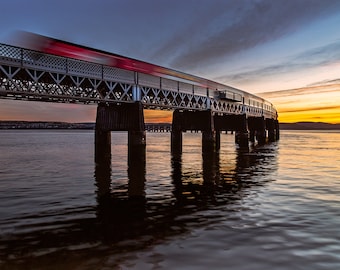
[
  {"x": 126, "y": 219},
  {"x": 126, "y": 212}
]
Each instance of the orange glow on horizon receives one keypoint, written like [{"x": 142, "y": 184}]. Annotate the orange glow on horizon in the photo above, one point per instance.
[
  {"x": 308, "y": 104},
  {"x": 153, "y": 116},
  {"x": 18, "y": 110},
  {"x": 328, "y": 116}
]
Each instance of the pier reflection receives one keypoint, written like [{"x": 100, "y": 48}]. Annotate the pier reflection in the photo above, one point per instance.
[
  {"x": 125, "y": 218},
  {"x": 220, "y": 182},
  {"x": 217, "y": 184},
  {"x": 121, "y": 213},
  {"x": 136, "y": 175}
]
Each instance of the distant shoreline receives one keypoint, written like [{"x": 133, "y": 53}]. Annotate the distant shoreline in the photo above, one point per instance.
[
  {"x": 44, "y": 125},
  {"x": 309, "y": 126},
  {"x": 91, "y": 126}
]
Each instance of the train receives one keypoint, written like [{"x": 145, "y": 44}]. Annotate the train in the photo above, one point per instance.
[{"x": 63, "y": 48}]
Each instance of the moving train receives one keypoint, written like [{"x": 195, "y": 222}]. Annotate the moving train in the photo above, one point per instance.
[{"x": 66, "y": 49}]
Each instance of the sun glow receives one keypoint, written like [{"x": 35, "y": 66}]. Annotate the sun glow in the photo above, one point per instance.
[
  {"x": 316, "y": 104},
  {"x": 155, "y": 116}
]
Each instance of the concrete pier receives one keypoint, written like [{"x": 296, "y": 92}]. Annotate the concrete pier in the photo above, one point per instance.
[
  {"x": 261, "y": 133},
  {"x": 257, "y": 129},
  {"x": 237, "y": 123},
  {"x": 120, "y": 117},
  {"x": 277, "y": 129},
  {"x": 270, "y": 124},
  {"x": 176, "y": 132},
  {"x": 102, "y": 145},
  {"x": 130, "y": 117},
  {"x": 194, "y": 121},
  {"x": 253, "y": 129}
]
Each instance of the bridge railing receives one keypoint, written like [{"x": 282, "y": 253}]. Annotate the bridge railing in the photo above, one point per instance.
[{"x": 28, "y": 74}]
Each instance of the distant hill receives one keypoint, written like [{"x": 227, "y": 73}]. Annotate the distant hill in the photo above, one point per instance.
[{"x": 309, "y": 126}]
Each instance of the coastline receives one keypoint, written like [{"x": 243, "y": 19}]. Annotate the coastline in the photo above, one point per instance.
[{"x": 91, "y": 125}]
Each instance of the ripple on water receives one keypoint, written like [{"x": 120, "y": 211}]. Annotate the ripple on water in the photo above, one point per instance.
[{"x": 274, "y": 207}]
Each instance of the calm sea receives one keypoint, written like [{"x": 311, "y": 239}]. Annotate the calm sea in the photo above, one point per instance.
[{"x": 273, "y": 207}]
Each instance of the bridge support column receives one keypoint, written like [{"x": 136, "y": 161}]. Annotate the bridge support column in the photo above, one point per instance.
[
  {"x": 136, "y": 146},
  {"x": 193, "y": 120},
  {"x": 120, "y": 117},
  {"x": 136, "y": 167},
  {"x": 218, "y": 140},
  {"x": 261, "y": 133},
  {"x": 257, "y": 128},
  {"x": 241, "y": 135},
  {"x": 176, "y": 132},
  {"x": 208, "y": 132},
  {"x": 277, "y": 130},
  {"x": 252, "y": 135},
  {"x": 242, "y": 139},
  {"x": 102, "y": 146},
  {"x": 270, "y": 124},
  {"x": 208, "y": 141},
  {"x": 233, "y": 123}
]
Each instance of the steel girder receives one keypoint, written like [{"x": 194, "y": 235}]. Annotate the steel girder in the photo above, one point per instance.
[{"x": 31, "y": 75}]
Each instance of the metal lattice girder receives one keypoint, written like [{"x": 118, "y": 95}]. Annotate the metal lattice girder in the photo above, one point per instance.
[{"x": 31, "y": 75}]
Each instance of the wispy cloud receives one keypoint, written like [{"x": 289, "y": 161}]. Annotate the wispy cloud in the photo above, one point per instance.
[
  {"x": 321, "y": 56},
  {"x": 325, "y": 82},
  {"x": 307, "y": 103},
  {"x": 315, "y": 108},
  {"x": 319, "y": 89},
  {"x": 237, "y": 26}
]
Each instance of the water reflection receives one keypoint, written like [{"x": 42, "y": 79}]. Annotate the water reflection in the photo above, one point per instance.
[
  {"x": 128, "y": 213},
  {"x": 126, "y": 219},
  {"x": 220, "y": 184}
]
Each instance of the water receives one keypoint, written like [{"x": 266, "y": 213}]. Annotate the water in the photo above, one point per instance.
[{"x": 274, "y": 207}]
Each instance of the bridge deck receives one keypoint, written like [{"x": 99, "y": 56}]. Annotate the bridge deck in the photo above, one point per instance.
[{"x": 33, "y": 75}]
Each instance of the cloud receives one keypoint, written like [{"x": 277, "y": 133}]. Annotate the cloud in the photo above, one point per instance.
[
  {"x": 325, "y": 82},
  {"x": 234, "y": 26},
  {"x": 319, "y": 89},
  {"x": 315, "y": 108},
  {"x": 307, "y": 103},
  {"x": 320, "y": 56}
]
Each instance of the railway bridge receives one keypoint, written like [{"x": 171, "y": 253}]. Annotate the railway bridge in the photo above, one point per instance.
[{"x": 50, "y": 70}]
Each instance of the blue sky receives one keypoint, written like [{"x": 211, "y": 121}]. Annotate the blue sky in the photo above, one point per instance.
[{"x": 255, "y": 45}]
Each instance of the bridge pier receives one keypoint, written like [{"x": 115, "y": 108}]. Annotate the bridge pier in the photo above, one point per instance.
[
  {"x": 218, "y": 140},
  {"x": 252, "y": 135},
  {"x": 209, "y": 141},
  {"x": 257, "y": 129},
  {"x": 102, "y": 146},
  {"x": 270, "y": 124},
  {"x": 176, "y": 132},
  {"x": 236, "y": 123},
  {"x": 120, "y": 117},
  {"x": 277, "y": 129},
  {"x": 242, "y": 139},
  {"x": 261, "y": 133},
  {"x": 193, "y": 120}
]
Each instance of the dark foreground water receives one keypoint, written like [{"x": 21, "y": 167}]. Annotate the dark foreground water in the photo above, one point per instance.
[{"x": 274, "y": 207}]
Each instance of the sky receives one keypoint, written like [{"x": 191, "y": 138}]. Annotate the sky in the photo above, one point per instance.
[{"x": 287, "y": 51}]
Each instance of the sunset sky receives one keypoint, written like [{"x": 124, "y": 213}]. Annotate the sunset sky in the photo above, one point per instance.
[{"x": 287, "y": 51}]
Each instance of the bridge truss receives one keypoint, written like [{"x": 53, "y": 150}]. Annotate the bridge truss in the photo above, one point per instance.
[{"x": 30, "y": 75}]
